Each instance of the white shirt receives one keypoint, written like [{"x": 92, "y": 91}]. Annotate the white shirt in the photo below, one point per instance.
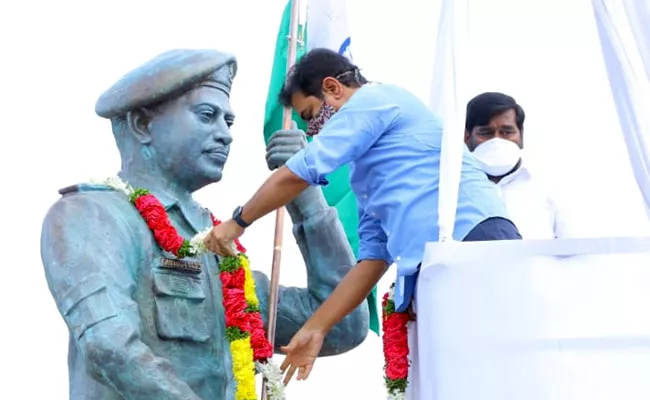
[{"x": 531, "y": 207}]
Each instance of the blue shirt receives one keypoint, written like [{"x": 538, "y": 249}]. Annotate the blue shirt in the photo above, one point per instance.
[{"x": 392, "y": 142}]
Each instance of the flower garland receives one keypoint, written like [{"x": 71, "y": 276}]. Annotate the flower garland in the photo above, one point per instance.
[
  {"x": 396, "y": 347},
  {"x": 249, "y": 346}
]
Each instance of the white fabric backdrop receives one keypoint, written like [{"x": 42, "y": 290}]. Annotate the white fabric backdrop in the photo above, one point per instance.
[
  {"x": 624, "y": 30},
  {"x": 531, "y": 325},
  {"x": 447, "y": 89}
]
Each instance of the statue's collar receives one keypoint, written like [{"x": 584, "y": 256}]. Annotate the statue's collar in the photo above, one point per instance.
[{"x": 195, "y": 215}]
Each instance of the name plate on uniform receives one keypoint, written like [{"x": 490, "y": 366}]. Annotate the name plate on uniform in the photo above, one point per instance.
[{"x": 181, "y": 265}]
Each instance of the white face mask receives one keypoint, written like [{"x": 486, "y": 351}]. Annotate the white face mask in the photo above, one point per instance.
[{"x": 497, "y": 157}]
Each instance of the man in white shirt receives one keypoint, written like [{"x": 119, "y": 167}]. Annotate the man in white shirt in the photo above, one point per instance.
[{"x": 494, "y": 128}]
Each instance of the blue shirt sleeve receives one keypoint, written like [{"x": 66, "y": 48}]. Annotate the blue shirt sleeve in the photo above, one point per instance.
[
  {"x": 372, "y": 239},
  {"x": 345, "y": 137}
]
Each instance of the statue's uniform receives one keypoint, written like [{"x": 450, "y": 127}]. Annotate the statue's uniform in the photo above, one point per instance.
[
  {"x": 144, "y": 325},
  {"x": 141, "y": 321}
]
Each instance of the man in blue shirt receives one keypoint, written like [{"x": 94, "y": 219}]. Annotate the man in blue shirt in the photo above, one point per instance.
[{"x": 392, "y": 142}]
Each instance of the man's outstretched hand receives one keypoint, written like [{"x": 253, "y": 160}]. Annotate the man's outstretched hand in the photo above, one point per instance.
[
  {"x": 302, "y": 351},
  {"x": 221, "y": 239}
]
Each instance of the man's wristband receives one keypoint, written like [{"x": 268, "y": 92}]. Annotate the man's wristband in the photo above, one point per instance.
[{"x": 236, "y": 216}]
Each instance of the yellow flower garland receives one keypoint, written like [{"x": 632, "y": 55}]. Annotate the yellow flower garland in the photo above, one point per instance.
[
  {"x": 249, "y": 283},
  {"x": 243, "y": 368}
]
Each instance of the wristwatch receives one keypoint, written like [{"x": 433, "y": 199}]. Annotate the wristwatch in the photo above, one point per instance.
[{"x": 238, "y": 219}]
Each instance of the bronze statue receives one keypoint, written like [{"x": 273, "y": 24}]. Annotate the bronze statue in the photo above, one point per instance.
[{"x": 142, "y": 325}]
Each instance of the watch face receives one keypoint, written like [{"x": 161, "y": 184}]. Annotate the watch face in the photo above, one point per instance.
[{"x": 237, "y": 211}]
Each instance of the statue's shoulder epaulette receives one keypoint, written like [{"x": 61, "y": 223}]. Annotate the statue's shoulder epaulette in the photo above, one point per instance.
[{"x": 82, "y": 188}]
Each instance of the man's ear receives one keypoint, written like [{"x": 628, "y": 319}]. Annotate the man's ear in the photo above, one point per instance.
[
  {"x": 138, "y": 121},
  {"x": 331, "y": 86},
  {"x": 467, "y": 136}
]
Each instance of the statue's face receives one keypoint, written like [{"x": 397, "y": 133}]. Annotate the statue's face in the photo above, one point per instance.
[{"x": 190, "y": 136}]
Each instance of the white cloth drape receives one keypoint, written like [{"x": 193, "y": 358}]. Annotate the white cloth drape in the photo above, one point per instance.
[
  {"x": 446, "y": 101},
  {"x": 533, "y": 323},
  {"x": 624, "y": 30}
]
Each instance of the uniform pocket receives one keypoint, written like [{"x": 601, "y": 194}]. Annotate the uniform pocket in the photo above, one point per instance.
[{"x": 181, "y": 310}]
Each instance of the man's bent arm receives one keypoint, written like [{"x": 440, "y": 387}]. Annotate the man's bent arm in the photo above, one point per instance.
[
  {"x": 279, "y": 189},
  {"x": 87, "y": 258},
  {"x": 345, "y": 138},
  {"x": 328, "y": 259},
  {"x": 358, "y": 283},
  {"x": 348, "y": 295}
]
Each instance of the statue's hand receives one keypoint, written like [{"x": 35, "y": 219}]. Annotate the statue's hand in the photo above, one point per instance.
[{"x": 283, "y": 145}]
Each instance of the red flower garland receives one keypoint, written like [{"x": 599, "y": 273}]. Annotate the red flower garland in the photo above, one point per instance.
[
  {"x": 262, "y": 349},
  {"x": 240, "y": 315},
  {"x": 395, "y": 342},
  {"x": 155, "y": 216}
]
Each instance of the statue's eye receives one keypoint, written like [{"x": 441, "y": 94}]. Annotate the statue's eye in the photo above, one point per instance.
[
  {"x": 230, "y": 122},
  {"x": 206, "y": 116}
]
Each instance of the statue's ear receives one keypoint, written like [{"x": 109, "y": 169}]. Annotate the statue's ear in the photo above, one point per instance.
[{"x": 138, "y": 121}]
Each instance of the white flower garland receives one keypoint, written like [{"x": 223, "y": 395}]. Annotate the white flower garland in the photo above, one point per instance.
[
  {"x": 274, "y": 383},
  {"x": 270, "y": 371}
]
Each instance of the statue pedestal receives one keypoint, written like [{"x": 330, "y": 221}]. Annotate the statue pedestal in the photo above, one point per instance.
[{"x": 552, "y": 320}]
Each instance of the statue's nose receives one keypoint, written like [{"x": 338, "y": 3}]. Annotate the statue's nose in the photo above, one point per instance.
[{"x": 222, "y": 133}]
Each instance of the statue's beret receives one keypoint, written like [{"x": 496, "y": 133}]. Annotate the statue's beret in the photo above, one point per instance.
[{"x": 164, "y": 77}]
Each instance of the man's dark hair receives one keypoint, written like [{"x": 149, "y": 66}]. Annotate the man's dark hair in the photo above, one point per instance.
[
  {"x": 485, "y": 106},
  {"x": 308, "y": 73}
]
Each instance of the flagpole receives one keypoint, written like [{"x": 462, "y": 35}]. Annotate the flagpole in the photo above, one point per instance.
[{"x": 279, "y": 214}]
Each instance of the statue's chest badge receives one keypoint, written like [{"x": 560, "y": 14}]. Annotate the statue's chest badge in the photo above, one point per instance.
[{"x": 181, "y": 265}]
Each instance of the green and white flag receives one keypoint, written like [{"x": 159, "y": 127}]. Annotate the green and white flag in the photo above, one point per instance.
[{"x": 326, "y": 26}]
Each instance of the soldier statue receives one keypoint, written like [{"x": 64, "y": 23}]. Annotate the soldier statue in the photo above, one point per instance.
[{"x": 140, "y": 328}]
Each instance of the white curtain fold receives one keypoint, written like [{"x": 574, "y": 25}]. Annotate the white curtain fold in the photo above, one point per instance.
[
  {"x": 638, "y": 12},
  {"x": 624, "y": 31},
  {"x": 446, "y": 101}
]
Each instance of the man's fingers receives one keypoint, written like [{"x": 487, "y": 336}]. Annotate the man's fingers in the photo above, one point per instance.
[
  {"x": 287, "y": 360},
  {"x": 289, "y": 375},
  {"x": 285, "y": 363},
  {"x": 308, "y": 370},
  {"x": 218, "y": 248},
  {"x": 412, "y": 315},
  {"x": 227, "y": 250},
  {"x": 208, "y": 238},
  {"x": 210, "y": 244},
  {"x": 288, "y": 348},
  {"x": 303, "y": 372}
]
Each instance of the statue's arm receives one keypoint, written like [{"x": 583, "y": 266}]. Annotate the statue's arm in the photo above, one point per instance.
[
  {"x": 328, "y": 258},
  {"x": 90, "y": 256}
]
